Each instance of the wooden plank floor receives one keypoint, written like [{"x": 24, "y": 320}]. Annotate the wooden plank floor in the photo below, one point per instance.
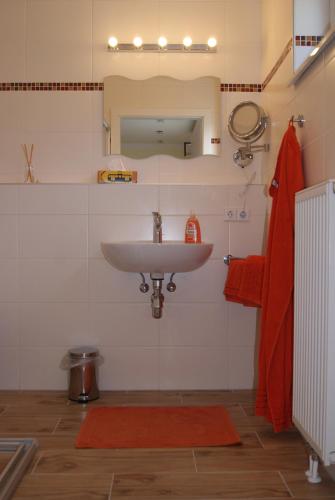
[{"x": 266, "y": 466}]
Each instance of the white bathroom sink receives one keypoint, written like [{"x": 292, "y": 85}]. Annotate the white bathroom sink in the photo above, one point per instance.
[{"x": 155, "y": 258}]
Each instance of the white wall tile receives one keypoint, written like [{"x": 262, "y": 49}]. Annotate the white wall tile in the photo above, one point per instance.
[
  {"x": 193, "y": 368},
  {"x": 12, "y": 163},
  {"x": 117, "y": 228},
  {"x": 123, "y": 200},
  {"x": 202, "y": 285},
  {"x": 8, "y": 280},
  {"x": 53, "y": 236},
  {"x": 40, "y": 369},
  {"x": 126, "y": 324},
  {"x": 53, "y": 280},
  {"x": 241, "y": 368},
  {"x": 9, "y": 324},
  {"x": 129, "y": 368},
  {"x": 242, "y": 325},
  {"x": 107, "y": 284},
  {"x": 59, "y": 37},
  {"x": 8, "y": 237},
  {"x": 193, "y": 325},
  {"x": 51, "y": 324},
  {"x": 56, "y": 199},
  {"x": 12, "y": 116},
  {"x": 8, "y": 199},
  {"x": 12, "y": 41},
  {"x": 58, "y": 111},
  {"x": 204, "y": 200},
  {"x": 9, "y": 369},
  {"x": 238, "y": 28},
  {"x": 246, "y": 238},
  {"x": 314, "y": 162},
  {"x": 252, "y": 198}
]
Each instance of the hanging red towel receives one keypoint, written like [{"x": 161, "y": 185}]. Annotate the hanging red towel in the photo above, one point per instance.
[
  {"x": 274, "y": 395},
  {"x": 245, "y": 281}
]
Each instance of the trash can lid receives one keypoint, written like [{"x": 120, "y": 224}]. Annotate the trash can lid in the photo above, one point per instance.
[{"x": 83, "y": 352}]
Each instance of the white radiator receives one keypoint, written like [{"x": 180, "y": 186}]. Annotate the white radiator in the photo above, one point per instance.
[{"x": 314, "y": 325}]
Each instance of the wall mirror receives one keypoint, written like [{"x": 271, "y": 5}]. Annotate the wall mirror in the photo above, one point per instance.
[
  {"x": 247, "y": 123},
  {"x": 314, "y": 29},
  {"x": 162, "y": 115}
]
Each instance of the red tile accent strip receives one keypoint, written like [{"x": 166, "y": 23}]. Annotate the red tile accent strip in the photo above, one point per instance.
[
  {"x": 307, "y": 40},
  {"x": 279, "y": 62},
  {"x": 51, "y": 86},
  {"x": 241, "y": 87}
]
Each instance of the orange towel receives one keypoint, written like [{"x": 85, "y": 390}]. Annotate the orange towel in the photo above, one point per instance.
[
  {"x": 245, "y": 281},
  {"x": 274, "y": 394},
  {"x": 252, "y": 280}
]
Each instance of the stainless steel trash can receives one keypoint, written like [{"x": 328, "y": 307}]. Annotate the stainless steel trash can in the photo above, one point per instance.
[{"x": 82, "y": 381}]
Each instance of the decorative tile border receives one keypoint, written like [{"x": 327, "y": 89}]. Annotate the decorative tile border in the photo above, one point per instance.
[
  {"x": 307, "y": 40},
  {"x": 99, "y": 86},
  {"x": 241, "y": 87},
  {"x": 50, "y": 86},
  {"x": 279, "y": 62}
]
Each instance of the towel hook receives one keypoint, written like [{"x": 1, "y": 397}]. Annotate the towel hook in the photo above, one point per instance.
[{"x": 300, "y": 120}]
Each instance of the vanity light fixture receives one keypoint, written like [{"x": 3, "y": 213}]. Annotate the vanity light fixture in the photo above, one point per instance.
[
  {"x": 212, "y": 42},
  {"x": 162, "y": 42},
  {"x": 187, "y": 42},
  {"x": 162, "y": 45},
  {"x": 112, "y": 42},
  {"x": 138, "y": 42}
]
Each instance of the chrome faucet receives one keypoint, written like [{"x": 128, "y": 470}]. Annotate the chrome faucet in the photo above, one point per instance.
[{"x": 157, "y": 228}]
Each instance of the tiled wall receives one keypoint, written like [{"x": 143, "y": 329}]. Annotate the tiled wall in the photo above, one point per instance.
[
  {"x": 65, "y": 41},
  {"x": 313, "y": 97},
  {"x": 57, "y": 291}
]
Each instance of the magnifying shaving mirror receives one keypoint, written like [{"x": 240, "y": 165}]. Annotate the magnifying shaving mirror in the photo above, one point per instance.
[{"x": 247, "y": 123}]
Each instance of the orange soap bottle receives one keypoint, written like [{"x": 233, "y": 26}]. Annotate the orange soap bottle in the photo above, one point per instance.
[{"x": 192, "y": 230}]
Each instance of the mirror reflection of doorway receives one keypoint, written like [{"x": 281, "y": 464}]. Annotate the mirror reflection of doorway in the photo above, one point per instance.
[{"x": 146, "y": 136}]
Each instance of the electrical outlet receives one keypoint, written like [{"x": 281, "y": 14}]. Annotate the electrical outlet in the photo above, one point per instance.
[
  {"x": 242, "y": 215},
  {"x": 230, "y": 214}
]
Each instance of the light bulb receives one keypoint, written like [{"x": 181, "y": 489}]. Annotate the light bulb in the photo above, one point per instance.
[
  {"x": 212, "y": 42},
  {"x": 138, "y": 42},
  {"x": 162, "y": 41},
  {"x": 187, "y": 42},
  {"x": 112, "y": 42}
]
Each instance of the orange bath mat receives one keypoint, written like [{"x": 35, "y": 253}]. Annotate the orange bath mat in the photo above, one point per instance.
[{"x": 157, "y": 427}]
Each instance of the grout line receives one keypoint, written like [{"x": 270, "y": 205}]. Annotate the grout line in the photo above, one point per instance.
[
  {"x": 194, "y": 461},
  {"x": 111, "y": 487},
  {"x": 37, "y": 462},
  {"x": 259, "y": 439},
  {"x": 243, "y": 410},
  {"x": 57, "y": 424},
  {"x": 5, "y": 410},
  {"x": 285, "y": 484}
]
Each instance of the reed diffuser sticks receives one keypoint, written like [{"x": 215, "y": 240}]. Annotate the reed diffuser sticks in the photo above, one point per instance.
[{"x": 28, "y": 153}]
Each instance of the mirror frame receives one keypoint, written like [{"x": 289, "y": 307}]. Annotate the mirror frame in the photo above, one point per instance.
[{"x": 255, "y": 133}]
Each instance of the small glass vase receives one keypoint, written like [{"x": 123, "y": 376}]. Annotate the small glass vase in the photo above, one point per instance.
[{"x": 30, "y": 177}]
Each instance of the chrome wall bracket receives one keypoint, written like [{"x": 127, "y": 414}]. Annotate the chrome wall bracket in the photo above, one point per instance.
[{"x": 245, "y": 154}]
